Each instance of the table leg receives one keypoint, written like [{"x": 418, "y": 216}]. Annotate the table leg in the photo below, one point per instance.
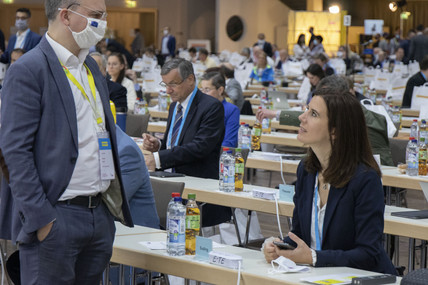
[
  {"x": 235, "y": 222},
  {"x": 411, "y": 261},
  {"x": 247, "y": 230}
]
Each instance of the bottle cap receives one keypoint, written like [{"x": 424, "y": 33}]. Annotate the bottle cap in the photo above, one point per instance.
[
  {"x": 424, "y": 122},
  {"x": 411, "y": 138},
  {"x": 177, "y": 199},
  {"x": 229, "y": 152},
  {"x": 225, "y": 149},
  {"x": 247, "y": 125},
  {"x": 175, "y": 194},
  {"x": 242, "y": 123},
  {"x": 414, "y": 141},
  {"x": 238, "y": 149},
  {"x": 422, "y": 139},
  {"x": 415, "y": 120},
  {"x": 191, "y": 196}
]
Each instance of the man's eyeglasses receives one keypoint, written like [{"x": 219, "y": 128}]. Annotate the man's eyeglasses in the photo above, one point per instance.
[
  {"x": 100, "y": 15},
  {"x": 206, "y": 90},
  {"x": 170, "y": 85}
]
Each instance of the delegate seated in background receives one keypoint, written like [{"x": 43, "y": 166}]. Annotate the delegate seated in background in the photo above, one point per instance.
[
  {"x": 116, "y": 68},
  {"x": 314, "y": 73},
  {"x": 417, "y": 79},
  {"x": 339, "y": 201},
  {"x": 300, "y": 49},
  {"x": 213, "y": 84},
  {"x": 376, "y": 123},
  {"x": 262, "y": 72},
  {"x": 233, "y": 87}
]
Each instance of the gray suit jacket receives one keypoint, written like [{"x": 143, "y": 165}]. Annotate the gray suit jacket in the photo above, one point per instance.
[{"x": 38, "y": 138}]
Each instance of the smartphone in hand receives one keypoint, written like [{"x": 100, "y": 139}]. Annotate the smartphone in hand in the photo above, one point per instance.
[{"x": 283, "y": 245}]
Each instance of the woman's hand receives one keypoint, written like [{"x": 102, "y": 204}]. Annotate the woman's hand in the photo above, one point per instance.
[
  {"x": 302, "y": 254},
  {"x": 269, "y": 250}
]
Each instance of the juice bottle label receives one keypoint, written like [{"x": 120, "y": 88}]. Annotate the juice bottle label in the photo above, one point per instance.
[
  {"x": 423, "y": 155},
  {"x": 257, "y": 132},
  {"x": 193, "y": 222},
  {"x": 239, "y": 168}
]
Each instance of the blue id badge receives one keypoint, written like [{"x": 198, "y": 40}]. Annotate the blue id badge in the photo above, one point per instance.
[
  {"x": 286, "y": 192},
  {"x": 105, "y": 156}
]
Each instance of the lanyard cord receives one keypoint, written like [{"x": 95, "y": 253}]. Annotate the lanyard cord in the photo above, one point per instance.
[
  {"x": 318, "y": 239},
  {"x": 91, "y": 81}
]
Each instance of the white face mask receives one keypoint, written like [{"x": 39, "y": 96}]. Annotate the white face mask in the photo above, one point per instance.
[
  {"x": 165, "y": 32},
  {"x": 339, "y": 54},
  {"x": 92, "y": 34},
  {"x": 315, "y": 42}
]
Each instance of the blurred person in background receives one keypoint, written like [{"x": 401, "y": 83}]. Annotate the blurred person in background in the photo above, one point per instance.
[{"x": 300, "y": 49}]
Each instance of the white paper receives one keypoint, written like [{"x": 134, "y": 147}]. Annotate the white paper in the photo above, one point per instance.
[{"x": 423, "y": 113}]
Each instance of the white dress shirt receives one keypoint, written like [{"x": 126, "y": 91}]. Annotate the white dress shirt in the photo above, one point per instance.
[
  {"x": 184, "y": 104},
  {"x": 20, "y": 39},
  {"x": 86, "y": 177},
  {"x": 165, "y": 50}
]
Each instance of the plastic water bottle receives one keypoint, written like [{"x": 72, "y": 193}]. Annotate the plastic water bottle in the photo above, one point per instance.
[
  {"x": 171, "y": 202},
  {"x": 229, "y": 172},
  {"x": 193, "y": 224},
  {"x": 263, "y": 97},
  {"x": 140, "y": 107},
  {"x": 176, "y": 228},
  {"x": 423, "y": 132},
  {"x": 412, "y": 154},
  {"x": 396, "y": 117},
  {"x": 246, "y": 137},
  {"x": 414, "y": 130},
  {"x": 239, "y": 171},
  {"x": 240, "y": 135},
  {"x": 162, "y": 101},
  {"x": 422, "y": 157},
  {"x": 221, "y": 169}
]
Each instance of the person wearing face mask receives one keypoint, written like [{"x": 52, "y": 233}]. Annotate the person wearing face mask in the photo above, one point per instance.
[
  {"x": 168, "y": 45},
  {"x": 317, "y": 46},
  {"x": 24, "y": 37},
  {"x": 58, "y": 140},
  {"x": 264, "y": 45}
]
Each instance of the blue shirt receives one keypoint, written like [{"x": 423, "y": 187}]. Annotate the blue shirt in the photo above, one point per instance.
[
  {"x": 231, "y": 124},
  {"x": 267, "y": 74}
]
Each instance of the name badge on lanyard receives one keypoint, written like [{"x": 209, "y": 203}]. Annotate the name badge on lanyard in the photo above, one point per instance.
[{"x": 105, "y": 156}]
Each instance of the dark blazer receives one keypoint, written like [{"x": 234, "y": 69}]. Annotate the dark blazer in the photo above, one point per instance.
[
  {"x": 353, "y": 222},
  {"x": 117, "y": 94},
  {"x": 38, "y": 138},
  {"x": 30, "y": 41},
  {"x": 416, "y": 80},
  {"x": 418, "y": 47},
  {"x": 267, "y": 48},
  {"x": 198, "y": 150},
  {"x": 170, "y": 44},
  {"x": 2, "y": 46}
]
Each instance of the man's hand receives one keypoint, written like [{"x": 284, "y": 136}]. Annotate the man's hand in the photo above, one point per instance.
[
  {"x": 150, "y": 143},
  {"x": 265, "y": 113},
  {"x": 150, "y": 162},
  {"x": 42, "y": 233},
  {"x": 269, "y": 251}
]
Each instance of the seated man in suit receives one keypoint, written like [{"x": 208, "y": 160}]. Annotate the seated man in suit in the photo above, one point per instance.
[
  {"x": 194, "y": 133},
  {"x": 24, "y": 37}
]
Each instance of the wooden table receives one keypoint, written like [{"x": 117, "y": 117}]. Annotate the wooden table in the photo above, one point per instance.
[
  {"x": 128, "y": 250},
  {"x": 250, "y": 120}
]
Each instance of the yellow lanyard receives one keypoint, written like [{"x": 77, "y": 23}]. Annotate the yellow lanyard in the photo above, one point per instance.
[{"x": 93, "y": 90}]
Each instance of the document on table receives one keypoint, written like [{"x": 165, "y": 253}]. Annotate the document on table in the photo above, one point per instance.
[
  {"x": 159, "y": 245},
  {"x": 336, "y": 279}
]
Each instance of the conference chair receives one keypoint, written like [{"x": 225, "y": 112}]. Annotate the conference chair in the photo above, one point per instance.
[{"x": 136, "y": 125}]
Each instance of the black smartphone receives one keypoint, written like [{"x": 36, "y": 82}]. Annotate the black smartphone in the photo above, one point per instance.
[{"x": 283, "y": 245}]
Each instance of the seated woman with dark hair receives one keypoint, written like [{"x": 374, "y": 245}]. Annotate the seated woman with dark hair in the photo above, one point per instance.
[
  {"x": 214, "y": 84},
  {"x": 339, "y": 201},
  {"x": 314, "y": 73}
]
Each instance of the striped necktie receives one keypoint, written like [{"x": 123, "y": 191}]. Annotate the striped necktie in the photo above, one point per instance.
[{"x": 177, "y": 124}]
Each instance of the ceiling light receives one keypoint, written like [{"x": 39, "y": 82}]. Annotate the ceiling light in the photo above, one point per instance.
[
  {"x": 334, "y": 9},
  {"x": 393, "y": 6}
]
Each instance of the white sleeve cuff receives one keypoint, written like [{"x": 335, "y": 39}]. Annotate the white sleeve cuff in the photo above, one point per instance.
[
  {"x": 278, "y": 114},
  {"x": 157, "y": 160},
  {"x": 314, "y": 257}
]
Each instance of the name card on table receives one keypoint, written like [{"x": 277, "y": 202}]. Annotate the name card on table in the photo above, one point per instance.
[
  {"x": 286, "y": 192},
  {"x": 203, "y": 248}
]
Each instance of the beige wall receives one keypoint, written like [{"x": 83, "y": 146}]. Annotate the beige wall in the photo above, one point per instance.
[{"x": 267, "y": 16}]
